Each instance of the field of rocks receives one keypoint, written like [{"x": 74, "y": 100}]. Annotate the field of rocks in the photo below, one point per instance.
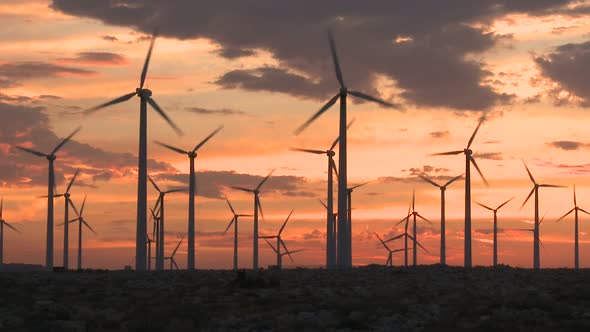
[{"x": 424, "y": 298}]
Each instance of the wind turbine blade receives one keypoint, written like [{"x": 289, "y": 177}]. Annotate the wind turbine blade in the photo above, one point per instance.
[
  {"x": 11, "y": 227},
  {"x": 82, "y": 207},
  {"x": 383, "y": 243},
  {"x": 264, "y": 180},
  {"x": 543, "y": 218},
  {"x": 121, "y": 99},
  {"x": 395, "y": 238},
  {"x": 422, "y": 217},
  {"x": 153, "y": 103},
  {"x": 322, "y": 202},
  {"x": 198, "y": 146},
  {"x": 586, "y": 212},
  {"x": 565, "y": 215},
  {"x": 147, "y": 61},
  {"x": 478, "y": 170},
  {"x": 243, "y": 189},
  {"x": 317, "y": 115},
  {"x": 285, "y": 223},
  {"x": 447, "y": 153},
  {"x": 453, "y": 180},
  {"x": 308, "y": 150},
  {"x": 2, "y": 206},
  {"x": 529, "y": 173},
  {"x": 541, "y": 243},
  {"x": 245, "y": 215},
  {"x": 551, "y": 186},
  {"x": 501, "y": 205},
  {"x": 429, "y": 181},
  {"x": 231, "y": 222},
  {"x": 268, "y": 237},
  {"x": 37, "y": 153},
  {"x": 260, "y": 207},
  {"x": 335, "y": 59},
  {"x": 90, "y": 228},
  {"x": 287, "y": 250},
  {"x": 293, "y": 252},
  {"x": 72, "y": 180},
  {"x": 413, "y": 200},
  {"x": 484, "y": 206},
  {"x": 371, "y": 98},
  {"x": 176, "y": 190},
  {"x": 527, "y": 198},
  {"x": 174, "y": 263},
  {"x": 474, "y": 133},
  {"x": 338, "y": 138},
  {"x": 177, "y": 246},
  {"x": 230, "y": 206},
  {"x": 175, "y": 149},
  {"x": 154, "y": 184},
  {"x": 398, "y": 250},
  {"x": 65, "y": 140},
  {"x": 73, "y": 206},
  {"x": 575, "y": 201},
  {"x": 334, "y": 168},
  {"x": 273, "y": 247},
  {"x": 401, "y": 221},
  {"x": 362, "y": 184},
  {"x": 418, "y": 243}
]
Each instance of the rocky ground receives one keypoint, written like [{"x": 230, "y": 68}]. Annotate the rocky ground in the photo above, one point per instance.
[{"x": 425, "y": 298}]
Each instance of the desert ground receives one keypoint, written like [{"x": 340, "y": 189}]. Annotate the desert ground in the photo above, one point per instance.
[{"x": 423, "y": 298}]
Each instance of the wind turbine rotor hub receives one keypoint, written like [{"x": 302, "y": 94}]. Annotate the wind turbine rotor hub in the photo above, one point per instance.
[
  {"x": 67, "y": 195},
  {"x": 51, "y": 157},
  {"x": 468, "y": 152},
  {"x": 144, "y": 93},
  {"x": 192, "y": 154},
  {"x": 343, "y": 91},
  {"x": 331, "y": 153}
]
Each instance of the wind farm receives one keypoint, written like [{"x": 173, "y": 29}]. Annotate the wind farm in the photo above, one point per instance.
[{"x": 436, "y": 92}]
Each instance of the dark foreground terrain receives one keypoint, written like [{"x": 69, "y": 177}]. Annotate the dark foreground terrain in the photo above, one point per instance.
[{"x": 370, "y": 298}]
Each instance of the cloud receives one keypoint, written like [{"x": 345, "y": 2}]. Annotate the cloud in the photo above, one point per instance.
[
  {"x": 35, "y": 69},
  {"x": 313, "y": 235},
  {"x": 488, "y": 155},
  {"x": 109, "y": 38},
  {"x": 386, "y": 39},
  {"x": 222, "y": 111},
  {"x": 439, "y": 134},
  {"x": 96, "y": 59},
  {"x": 568, "y": 145},
  {"x": 568, "y": 67}
]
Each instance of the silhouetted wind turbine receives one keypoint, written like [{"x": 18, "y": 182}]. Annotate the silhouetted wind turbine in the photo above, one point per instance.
[
  {"x": 154, "y": 238},
  {"x": 2, "y": 224},
  {"x": 389, "y": 261},
  {"x": 415, "y": 215},
  {"x": 171, "y": 258},
  {"x": 468, "y": 161},
  {"x": 344, "y": 257},
  {"x": 67, "y": 200},
  {"x": 50, "y": 194},
  {"x": 535, "y": 190},
  {"x": 234, "y": 221},
  {"x": 192, "y": 154},
  {"x": 536, "y": 240},
  {"x": 281, "y": 254},
  {"x": 443, "y": 188},
  {"x": 495, "y": 260},
  {"x": 279, "y": 241},
  {"x": 330, "y": 219},
  {"x": 81, "y": 221},
  {"x": 145, "y": 98},
  {"x": 257, "y": 207},
  {"x": 406, "y": 236},
  {"x": 575, "y": 209},
  {"x": 348, "y": 229},
  {"x": 160, "y": 204}
]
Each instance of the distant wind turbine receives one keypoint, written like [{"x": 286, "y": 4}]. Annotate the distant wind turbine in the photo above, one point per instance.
[
  {"x": 81, "y": 221},
  {"x": 171, "y": 258},
  {"x": 50, "y": 194},
  {"x": 389, "y": 261},
  {"x": 575, "y": 209},
  {"x": 257, "y": 207},
  {"x": 495, "y": 260},
  {"x": 192, "y": 154},
  {"x": 330, "y": 219},
  {"x": 234, "y": 221},
  {"x": 154, "y": 238},
  {"x": 160, "y": 205},
  {"x": 468, "y": 161},
  {"x": 2, "y": 224},
  {"x": 443, "y": 188},
  {"x": 415, "y": 215},
  {"x": 279, "y": 242},
  {"x": 67, "y": 201},
  {"x": 281, "y": 254},
  {"x": 344, "y": 257},
  {"x": 536, "y": 240},
  {"x": 348, "y": 228},
  {"x": 145, "y": 96}
]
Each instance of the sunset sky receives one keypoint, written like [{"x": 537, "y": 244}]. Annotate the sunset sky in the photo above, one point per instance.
[{"x": 261, "y": 68}]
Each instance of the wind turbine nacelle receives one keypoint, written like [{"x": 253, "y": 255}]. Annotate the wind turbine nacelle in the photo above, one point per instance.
[{"x": 143, "y": 92}]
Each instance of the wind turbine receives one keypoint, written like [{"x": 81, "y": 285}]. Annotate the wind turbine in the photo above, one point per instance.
[
  {"x": 145, "y": 98},
  {"x": 468, "y": 161},
  {"x": 50, "y": 194},
  {"x": 81, "y": 221},
  {"x": 344, "y": 258},
  {"x": 234, "y": 221},
  {"x": 192, "y": 154},
  {"x": 160, "y": 204},
  {"x": 67, "y": 201},
  {"x": 389, "y": 261},
  {"x": 495, "y": 226},
  {"x": 154, "y": 238},
  {"x": 279, "y": 241},
  {"x": 406, "y": 236},
  {"x": 281, "y": 254},
  {"x": 330, "y": 219},
  {"x": 443, "y": 188},
  {"x": 575, "y": 209},
  {"x": 257, "y": 207},
  {"x": 2, "y": 223},
  {"x": 536, "y": 240},
  {"x": 171, "y": 258},
  {"x": 415, "y": 215},
  {"x": 348, "y": 228}
]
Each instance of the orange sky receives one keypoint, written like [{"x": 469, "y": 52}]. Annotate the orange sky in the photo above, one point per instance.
[{"x": 382, "y": 143}]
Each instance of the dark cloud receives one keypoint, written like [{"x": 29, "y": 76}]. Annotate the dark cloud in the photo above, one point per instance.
[
  {"x": 313, "y": 235},
  {"x": 51, "y": 97},
  {"x": 109, "y": 38},
  {"x": 439, "y": 134},
  {"x": 33, "y": 69},
  {"x": 7, "y": 83},
  {"x": 568, "y": 145},
  {"x": 426, "y": 170},
  {"x": 223, "y": 111},
  {"x": 569, "y": 67},
  {"x": 488, "y": 155},
  {"x": 96, "y": 58},
  {"x": 423, "y": 46},
  {"x": 488, "y": 231}
]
